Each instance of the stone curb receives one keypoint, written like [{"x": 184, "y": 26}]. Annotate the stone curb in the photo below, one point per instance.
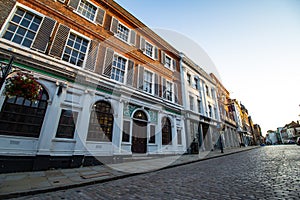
[{"x": 117, "y": 177}]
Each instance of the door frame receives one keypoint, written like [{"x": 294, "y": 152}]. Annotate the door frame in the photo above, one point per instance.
[{"x": 132, "y": 119}]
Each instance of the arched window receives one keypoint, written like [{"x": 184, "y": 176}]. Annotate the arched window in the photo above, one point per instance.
[
  {"x": 166, "y": 131},
  {"x": 22, "y": 117},
  {"x": 140, "y": 115},
  {"x": 101, "y": 122}
]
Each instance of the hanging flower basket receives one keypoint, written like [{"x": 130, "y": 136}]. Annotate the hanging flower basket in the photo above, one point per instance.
[{"x": 22, "y": 85}]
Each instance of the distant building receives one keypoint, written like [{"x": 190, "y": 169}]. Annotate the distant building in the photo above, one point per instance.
[
  {"x": 231, "y": 136},
  {"x": 200, "y": 103},
  {"x": 258, "y": 134},
  {"x": 271, "y": 137},
  {"x": 290, "y": 132}
]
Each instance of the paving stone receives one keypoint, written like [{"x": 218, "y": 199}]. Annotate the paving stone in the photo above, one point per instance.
[{"x": 270, "y": 172}]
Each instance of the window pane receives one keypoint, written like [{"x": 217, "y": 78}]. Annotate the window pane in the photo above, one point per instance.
[
  {"x": 67, "y": 123},
  {"x": 86, "y": 9},
  {"x": 126, "y": 131},
  {"x": 75, "y": 49},
  {"x": 101, "y": 123},
  {"x": 166, "y": 131},
  {"x": 118, "y": 68},
  {"x": 20, "y": 117},
  {"x": 22, "y": 27}
]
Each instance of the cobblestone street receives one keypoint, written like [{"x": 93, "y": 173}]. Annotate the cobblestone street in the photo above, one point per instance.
[{"x": 270, "y": 172}]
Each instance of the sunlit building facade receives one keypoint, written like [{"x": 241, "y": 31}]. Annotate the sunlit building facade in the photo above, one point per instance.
[
  {"x": 201, "y": 105},
  {"x": 111, "y": 86}
]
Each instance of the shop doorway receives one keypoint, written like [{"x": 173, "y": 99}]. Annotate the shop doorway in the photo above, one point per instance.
[{"x": 139, "y": 132}]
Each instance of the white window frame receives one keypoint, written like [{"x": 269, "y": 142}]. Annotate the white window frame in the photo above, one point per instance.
[
  {"x": 210, "y": 111},
  {"x": 9, "y": 18},
  {"x": 188, "y": 79},
  {"x": 191, "y": 100},
  {"x": 171, "y": 62},
  {"x": 97, "y": 10},
  {"x": 153, "y": 47},
  {"x": 172, "y": 91},
  {"x": 207, "y": 92},
  {"x": 129, "y": 33},
  {"x": 199, "y": 105},
  {"x": 152, "y": 81},
  {"x": 196, "y": 82},
  {"x": 87, "y": 49},
  {"x": 125, "y": 70},
  {"x": 215, "y": 112}
]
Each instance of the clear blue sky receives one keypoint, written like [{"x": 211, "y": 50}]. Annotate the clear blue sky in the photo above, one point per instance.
[{"x": 254, "y": 45}]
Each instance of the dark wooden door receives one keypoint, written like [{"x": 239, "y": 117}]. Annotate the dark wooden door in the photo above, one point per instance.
[{"x": 139, "y": 137}]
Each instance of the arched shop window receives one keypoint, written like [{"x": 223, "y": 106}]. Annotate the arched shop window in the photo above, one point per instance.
[
  {"x": 166, "y": 131},
  {"x": 101, "y": 122},
  {"x": 22, "y": 117},
  {"x": 140, "y": 115}
]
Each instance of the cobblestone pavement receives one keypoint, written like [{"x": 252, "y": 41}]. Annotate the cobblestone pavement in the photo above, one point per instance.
[{"x": 271, "y": 172}]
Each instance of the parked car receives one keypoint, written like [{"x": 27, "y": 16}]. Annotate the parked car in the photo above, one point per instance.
[{"x": 298, "y": 141}]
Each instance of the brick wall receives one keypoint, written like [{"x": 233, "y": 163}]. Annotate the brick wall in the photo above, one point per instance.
[{"x": 6, "y": 7}]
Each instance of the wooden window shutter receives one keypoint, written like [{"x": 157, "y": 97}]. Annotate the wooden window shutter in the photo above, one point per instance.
[
  {"x": 130, "y": 73},
  {"x": 176, "y": 92},
  {"x": 100, "y": 59},
  {"x": 92, "y": 55},
  {"x": 156, "y": 84},
  {"x": 132, "y": 37},
  {"x": 174, "y": 64},
  {"x": 100, "y": 16},
  {"x": 108, "y": 62},
  {"x": 43, "y": 36},
  {"x": 155, "y": 53},
  {"x": 74, "y": 4},
  {"x": 163, "y": 57},
  {"x": 107, "y": 22},
  {"x": 143, "y": 44},
  {"x": 141, "y": 77},
  {"x": 59, "y": 42},
  {"x": 114, "y": 25},
  {"x": 164, "y": 87}
]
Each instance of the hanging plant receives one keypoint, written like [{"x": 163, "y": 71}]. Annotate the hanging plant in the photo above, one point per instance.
[{"x": 22, "y": 85}]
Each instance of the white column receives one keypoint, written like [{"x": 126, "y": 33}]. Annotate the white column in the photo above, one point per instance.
[
  {"x": 202, "y": 139},
  {"x": 174, "y": 134},
  {"x": 50, "y": 123},
  {"x": 117, "y": 127},
  {"x": 159, "y": 134},
  {"x": 83, "y": 125}
]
